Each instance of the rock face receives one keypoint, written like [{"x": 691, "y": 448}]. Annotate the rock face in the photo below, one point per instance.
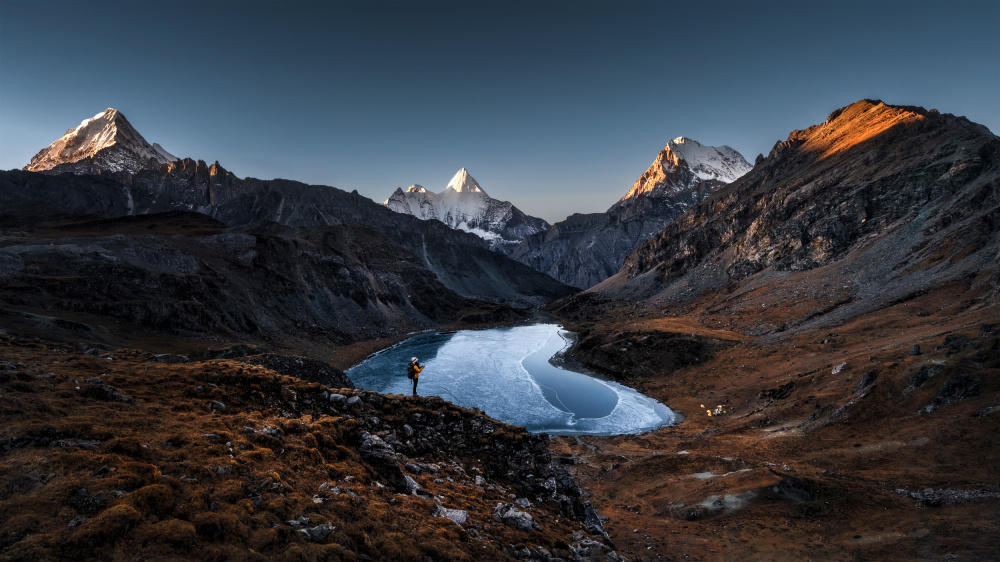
[
  {"x": 584, "y": 250},
  {"x": 900, "y": 198},
  {"x": 106, "y": 142},
  {"x": 461, "y": 261},
  {"x": 185, "y": 274},
  {"x": 463, "y": 205}
]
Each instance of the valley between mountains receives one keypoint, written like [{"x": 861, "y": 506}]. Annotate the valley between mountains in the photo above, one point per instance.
[{"x": 173, "y": 340}]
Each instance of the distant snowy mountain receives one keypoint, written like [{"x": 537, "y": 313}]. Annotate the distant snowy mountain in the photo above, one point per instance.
[
  {"x": 584, "y": 250},
  {"x": 106, "y": 142},
  {"x": 463, "y": 205},
  {"x": 684, "y": 164}
]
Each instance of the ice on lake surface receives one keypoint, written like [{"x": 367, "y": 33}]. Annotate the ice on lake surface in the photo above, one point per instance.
[{"x": 506, "y": 373}]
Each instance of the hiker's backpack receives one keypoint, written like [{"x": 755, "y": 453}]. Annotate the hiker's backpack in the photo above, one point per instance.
[{"x": 410, "y": 371}]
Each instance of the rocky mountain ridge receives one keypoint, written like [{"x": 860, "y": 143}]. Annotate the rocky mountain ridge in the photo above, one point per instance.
[
  {"x": 827, "y": 324},
  {"x": 901, "y": 197},
  {"x": 106, "y": 142},
  {"x": 584, "y": 250},
  {"x": 184, "y": 279},
  {"x": 461, "y": 261},
  {"x": 464, "y": 205}
]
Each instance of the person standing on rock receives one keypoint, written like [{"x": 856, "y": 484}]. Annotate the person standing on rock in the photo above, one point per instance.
[{"x": 413, "y": 372}]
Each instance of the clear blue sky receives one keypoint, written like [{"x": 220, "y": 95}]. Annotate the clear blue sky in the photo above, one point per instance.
[{"x": 555, "y": 106}]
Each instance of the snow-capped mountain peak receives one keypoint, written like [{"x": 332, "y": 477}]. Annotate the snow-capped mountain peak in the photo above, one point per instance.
[
  {"x": 710, "y": 162},
  {"x": 108, "y": 140},
  {"x": 464, "y": 205},
  {"x": 462, "y": 182},
  {"x": 684, "y": 164}
]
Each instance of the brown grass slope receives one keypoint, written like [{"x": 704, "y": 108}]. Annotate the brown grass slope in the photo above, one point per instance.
[
  {"x": 113, "y": 456},
  {"x": 841, "y": 299}
]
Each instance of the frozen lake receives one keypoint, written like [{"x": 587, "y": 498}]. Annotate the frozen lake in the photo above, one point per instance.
[{"x": 506, "y": 373}]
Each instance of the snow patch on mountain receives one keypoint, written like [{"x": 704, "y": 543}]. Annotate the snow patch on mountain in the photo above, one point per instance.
[{"x": 465, "y": 205}]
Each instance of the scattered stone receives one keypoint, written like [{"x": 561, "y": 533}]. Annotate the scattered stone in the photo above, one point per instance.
[
  {"x": 957, "y": 389},
  {"x": 936, "y": 498},
  {"x": 953, "y": 343},
  {"x": 216, "y": 405},
  {"x": 381, "y": 456},
  {"x": 84, "y": 443},
  {"x": 76, "y": 523},
  {"x": 106, "y": 393},
  {"x": 317, "y": 533},
  {"x": 866, "y": 380},
  {"x": 779, "y": 393},
  {"x": 507, "y": 514},
  {"x": 353, "y": 400},
  {"x": 272, "y": 431},
  {"x": 300, "y": 521},
  {"x": 593, "y": 521},
  {"x": 411, "y": 485},
  {"x": 986, "y": 411},
  {"x": 523, "y": 503},
  {"x": 338, "y": 398},
  {"x": 459, "y": 516},
  {"x": 914, "y": 349}
]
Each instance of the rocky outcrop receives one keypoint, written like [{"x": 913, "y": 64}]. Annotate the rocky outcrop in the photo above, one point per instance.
[
  {"x": 902, "y": 198},
  {"x": 284, "y": 466}
]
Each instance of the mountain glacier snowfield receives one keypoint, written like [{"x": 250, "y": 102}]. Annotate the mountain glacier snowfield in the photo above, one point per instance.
[{"x": 506, "y": 373}]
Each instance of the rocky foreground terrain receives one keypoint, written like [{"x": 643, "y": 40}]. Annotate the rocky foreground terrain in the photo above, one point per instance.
[{"x": 129, "y": 455}]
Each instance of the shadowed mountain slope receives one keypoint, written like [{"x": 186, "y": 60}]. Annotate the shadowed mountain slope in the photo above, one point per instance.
[
  {"x": 461, "y": 261},
  {"x": 185, "y": 275}
]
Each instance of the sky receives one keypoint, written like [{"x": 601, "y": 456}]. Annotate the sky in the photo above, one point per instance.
[{"x": 556, "y": 106}]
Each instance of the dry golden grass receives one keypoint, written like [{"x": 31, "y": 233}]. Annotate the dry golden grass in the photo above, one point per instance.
[{"x": 172, "y": 475}]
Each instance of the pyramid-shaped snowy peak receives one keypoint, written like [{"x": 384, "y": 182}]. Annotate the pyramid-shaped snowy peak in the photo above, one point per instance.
[
  {"x": 462, "y": 182},
  {"x": 463, "y": 205},
  {"x": 106, "y": 137}
]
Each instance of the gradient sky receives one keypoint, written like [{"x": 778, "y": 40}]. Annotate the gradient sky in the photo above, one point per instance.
[{"x": 556, "y": 106}]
